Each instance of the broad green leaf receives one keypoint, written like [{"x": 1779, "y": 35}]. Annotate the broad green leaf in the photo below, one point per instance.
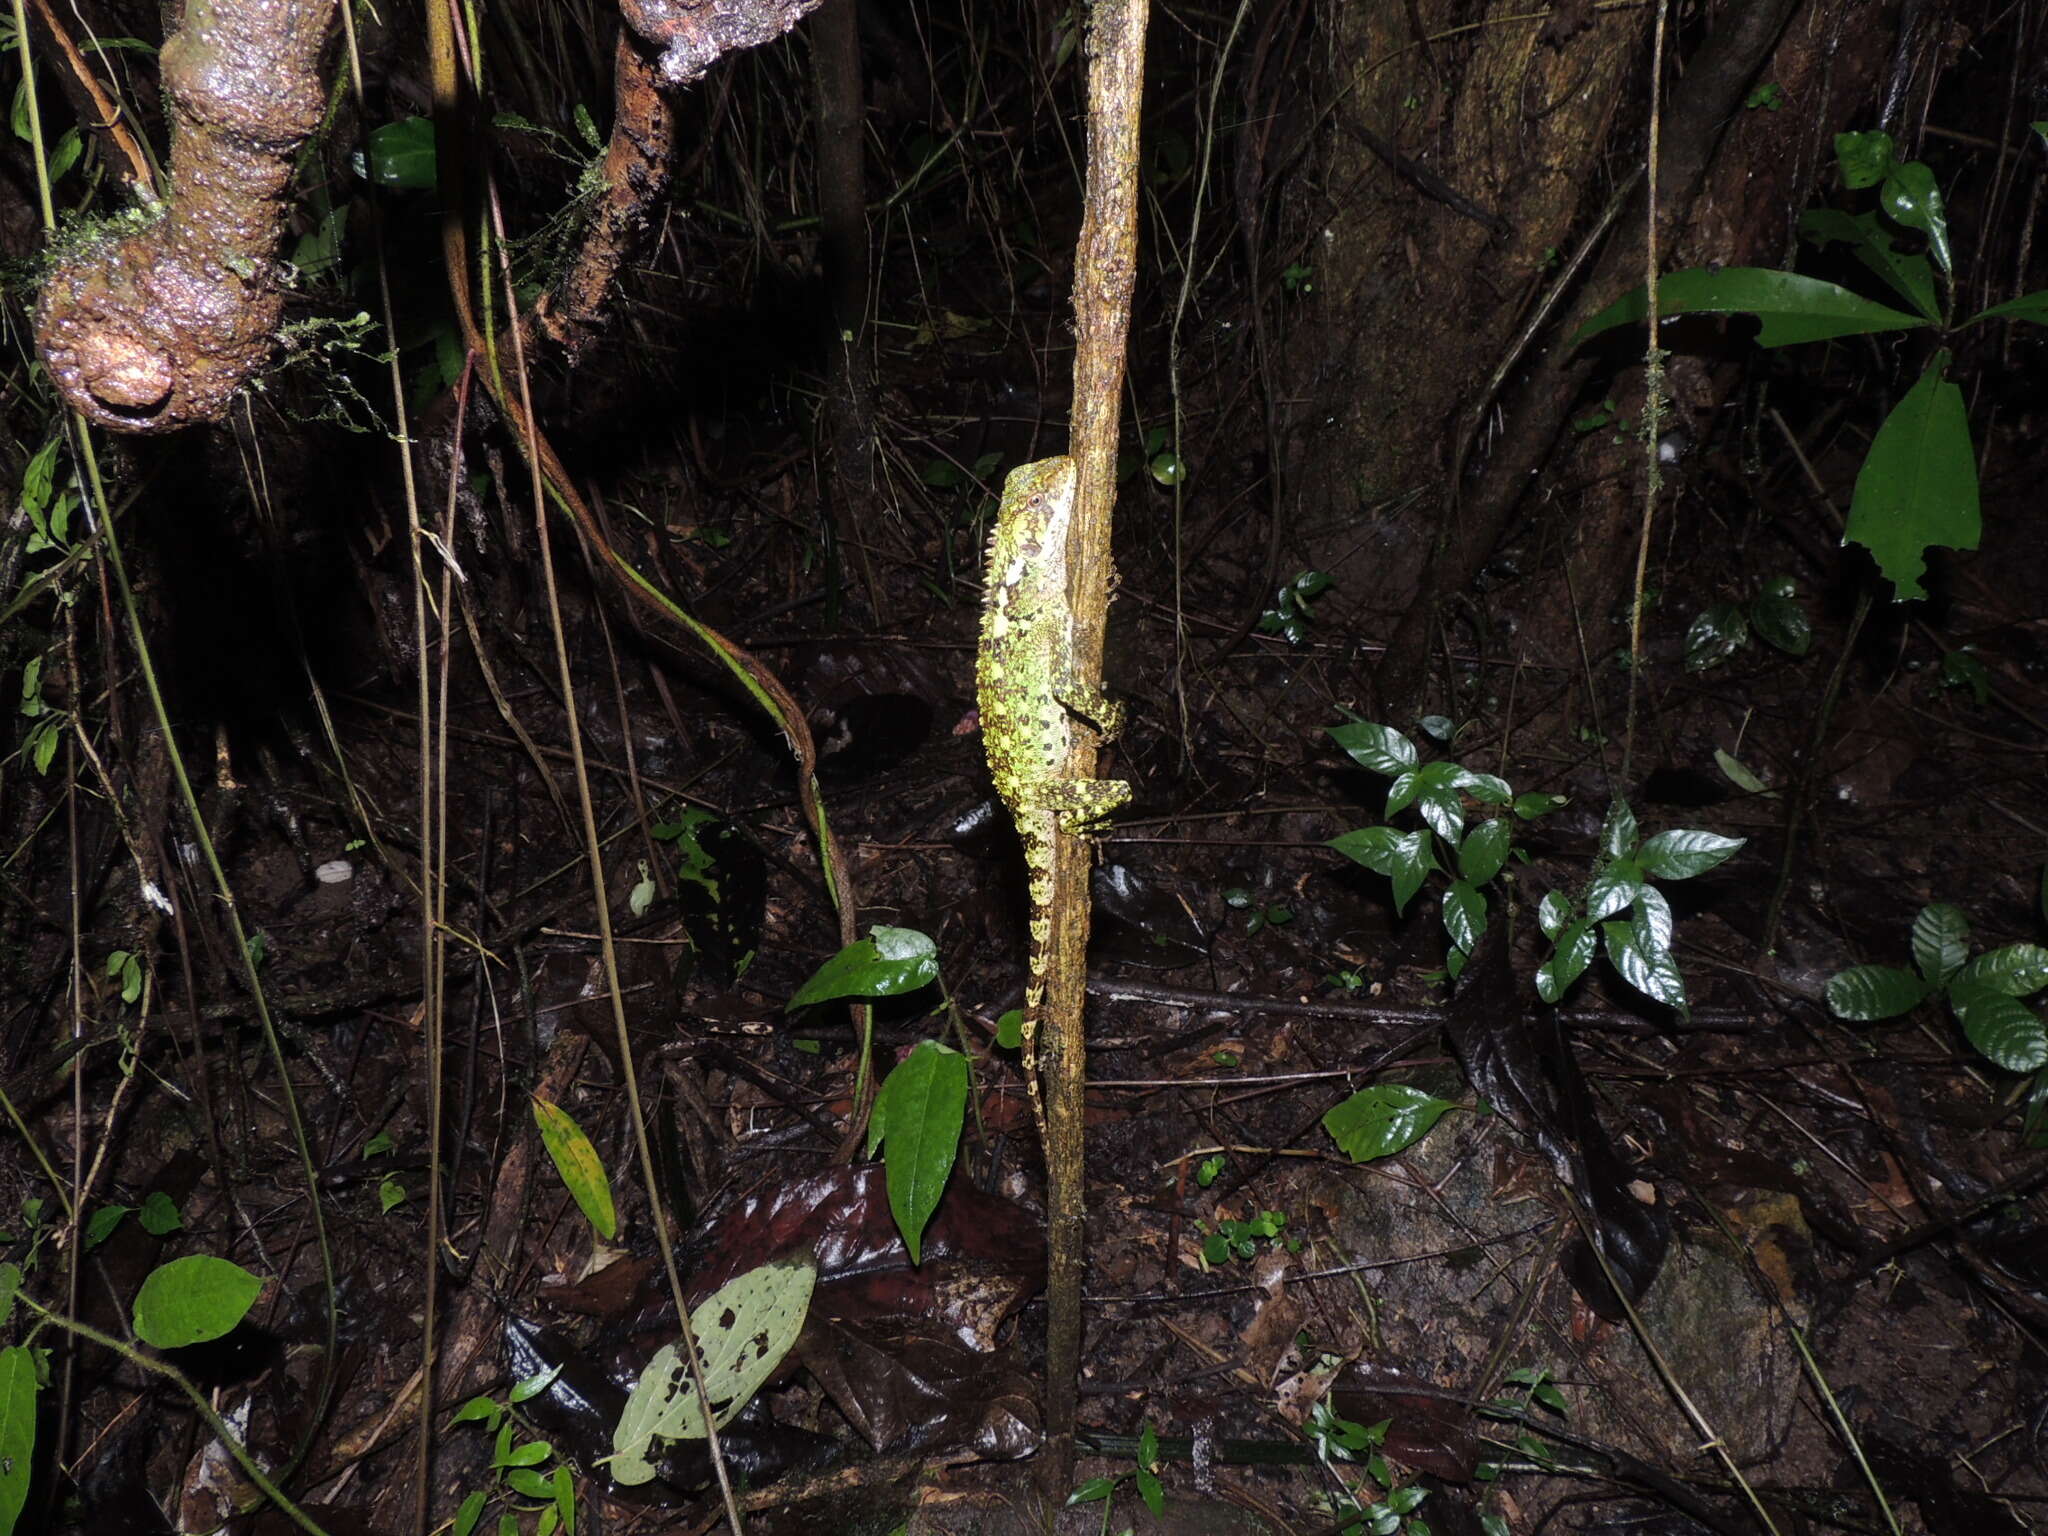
[
  {"x": 1574, "y": 953},
  {"x": 1717, "y": 634},
  {"x": 1381, "y": 1120},
  {"x": 1866, "y": 158},
  {"x": 159, "y": 1215},
  {"x": 1652, "y": 921},
  {"x": 1911, "y": 197},
  {"x": 565, "y": 1499},
  {"x": 1777, "y": 617},
  {"x": 1464, "y": 915},
  {"x": 478, "y": 1410},
  {"x": 530, "y": 1484},
  {"x": 1486, "y": 788},
  {"x": 1150, "y": 1491},
  {"x": 1918, "y": 484},
  {"x": 2002, "y": 1027},
  {"x": 1413, "y": 860},
  {"x": 927, "y": 1104},
  {"x": 17, "y": 1431},
  {"x": 191, "y": 1300},
  {"x": 2017, "y": 970},
  {"x": 472, "y": 1510},
  {"x": 1378, "y": 748},
  {"x": 1679, "y": 855},
  {"x": 1528, "y": 807},
  {"x": 100, "y": 1225},
  {"x": 400, "y": 155},
  {"x": 1614, "y": 888},
  {"x": 10, "y": 1283},
  {"x": 1091, "y": 1490},
  {"x": 1654, "y": 975},
  {"x": 529, "y": 1454},
  {"x": 2028, "y": 306},
  {"x": 1941, "y": 942},
  {"x": 743, "y": 1330},
  {"x": 1618, "y": 834},
  {"x": 1402, "y": 792},
  {"x": 1792, "y": 308},
  {"x": 888, "y": 963},
  {"x": 1377, "y": 848},
  {"x": 1867, "y": 993},
  {"x": 533, "y": 1385},
  {"x": 582, "y": 1170},
  {"x": 1484, "y": 850},
  {"x": 1907, "y": 273},
  {"x": 1444, "y": 812},
  {"x": 1553, "y": 913}
]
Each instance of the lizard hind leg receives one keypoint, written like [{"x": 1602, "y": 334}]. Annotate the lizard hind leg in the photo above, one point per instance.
[{"x": 1077, "y": 804}]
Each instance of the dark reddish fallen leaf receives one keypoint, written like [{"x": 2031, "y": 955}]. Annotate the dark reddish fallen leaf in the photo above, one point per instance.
[
  {"x": 1428, "y": 1433},
  {"x": 913, "y": 1387}
]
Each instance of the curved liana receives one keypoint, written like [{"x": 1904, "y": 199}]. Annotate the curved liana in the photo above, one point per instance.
[{"x": 155, "y": 321}]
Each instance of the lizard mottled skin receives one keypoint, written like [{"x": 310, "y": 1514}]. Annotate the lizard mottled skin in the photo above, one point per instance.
[{"x": 1030, "y": 702}]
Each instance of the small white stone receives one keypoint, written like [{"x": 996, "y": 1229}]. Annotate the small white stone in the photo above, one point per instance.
[{"x": 334, "y": 871}]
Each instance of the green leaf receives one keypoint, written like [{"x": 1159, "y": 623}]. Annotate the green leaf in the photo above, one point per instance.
[
  {"x": 1740, "y": 776},
  {"x": 1377, "y": 848},
  {"x": 17, "y": 1431},
  {"x": 533, "y": 1385},
  {"x": 1654, "y": 974},
  {"x": 1151, "y": 1492},
  {"x": 1792, "y": 308},
  {"x": 1486, "y": 788},
  {"x": 530, "y": 1454},
  {"x": 400, "y": 155},
  {"x": 1866, "y": 993},
  {"x": 565, "y": 1499},
  {"x": 100, "y": 1225},
  {"x": 1553, "y": 913},
  {"x": 1906, "y": 273},
  {"x": 1618, "y": 833},
  {"x": 743, "y": 1329},
  {"x": 1911, "y": 197},
  {"x": 1381, "y": 1120},
  {"x": 1865, "y": 158},
  {"x": 471, "y": 1511},
  {"x": 1679, "y": 855},
  {"x": 2028, "y": 306},
  {"x": 1464, "y": 915},
  {"x": 1093, "y": 1491},
  {"x": 1941, "y": 942},
  {"x": 1652, "y": 921},
  {"x": 1009, "y": 1033},
  {"x": 1528, "y": 807},
  {"x": 1717, "y": 634},
  {"x": 1614, "y": 888},
  {"x": 1413, "y": 860},
  {"x": 191, "y": 1300},
  {"x": 576, "y": 1160},
  {"x": 159, "y": 1215},
  {"x": 927, "y": 1104},
  {"x": 2002, "y": 1027},
  {"x": 1918, "y": 485},
  {"x": 1575, "y": 946},
  {"x": 1485, "y": 850},
  {"x": 1377, "y": 748},
  {"x": 1443, "y": 811},
  {"x": 478, "y": 1410},
  {"x": 889, "y": 963},
  {"x": 390, "y": 1195},
  {"x": 2017, "y": 970},
  {"x": 1776, "y": 615},
  {"x": 10, "y": 1284}
]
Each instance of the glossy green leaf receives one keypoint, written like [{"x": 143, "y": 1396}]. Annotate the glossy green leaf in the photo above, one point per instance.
[
  {"x": 1679, "y": 855},
  {"x": 565, "y": 1499},
  {"x": 1655, "y": 975},
  {"x": 582, "y": 1170},
  {"x": 1866, "y": 993},
  {"x": 1486, "y": 788},
  {"x": 400, "y": 155},
  {"x": 471, "y": 1511},
  {"x": 1792, "y": 308},
  {"x": 1738, "y": 775},
  {"x": 743, "y": 1329},
  {"x": 1091, "y": 1490},
  {"x": 1907, "y": 273},
  {"x": 17, "y": 1432},
  {"x": 1575, "y": 948},
  {"x": 1485, "y": 850},
  {"x": 1717, "y": 634},
  {"x": 1464, "y": 915},
  {"x": 1381, "y": 1120},
  {"x": 191, "y": 1300},
  {"x": 889, "y": 963},
  {"x": 1377, "y": 848},
  {"x": 1443, "y": 812},
  {"x": 1865, "y": 158},
  {"x": 1413, "y": 860},
  {"x": 1918, "y": 484},
  {"x": 1614, "y": 888},
  {"x": 100, "y": 1225},
  {"x": 1528, "y": 807},
  {"x": 2002, "y": 1027},
  {"x": 1378, "y": 748},
  {"x": 1777, "y": 617},
  {"x": 1652, "y": 921},
  {"x": 927, "y": 1105},
  {"x": 2017, "y": 970},
  {"x": 1618, "y": 832},
  {"x": 1553, "y": 913},
  {"x": 1941, "y": 942},
  {"x": 1911, "y": 196}
]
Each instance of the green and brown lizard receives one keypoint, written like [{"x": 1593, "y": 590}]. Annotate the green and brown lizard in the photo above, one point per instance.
[{"x": 1030, "y": 701}]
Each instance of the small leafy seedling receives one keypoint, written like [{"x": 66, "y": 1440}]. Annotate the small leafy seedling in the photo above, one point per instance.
[
  {"x": 1144, "y": 1475},
  {"x": 1231, "y": 1239},
  {"x": 1263, "y": 914},
  {"x": 1773, "y": 614},
  {"x": 1337, "y": 1438},
  {"x": 1290, "y": 617},
  {"x": 519, "y": 1471}
]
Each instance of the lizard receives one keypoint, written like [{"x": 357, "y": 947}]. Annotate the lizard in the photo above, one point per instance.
[{"x": 1029, "y": 700}]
